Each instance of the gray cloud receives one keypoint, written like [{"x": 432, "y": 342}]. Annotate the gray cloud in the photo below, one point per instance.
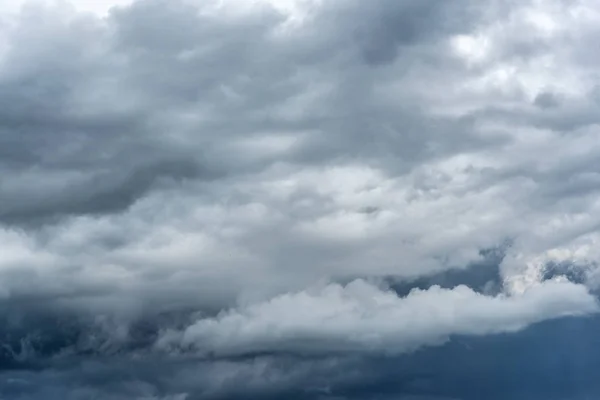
[
  {"x": 145, "y": 88},
  {"x": 199, "y": 167},
  {"x": 260, "y": 142}
]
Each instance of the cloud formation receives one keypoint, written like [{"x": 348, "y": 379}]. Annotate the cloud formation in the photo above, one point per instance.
[
  {"x": 361, "y": 317},
  {"x": 272, "y": 187}
]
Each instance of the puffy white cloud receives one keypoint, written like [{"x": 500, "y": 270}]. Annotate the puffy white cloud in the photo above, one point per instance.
[{"x": 361, "y": 317}]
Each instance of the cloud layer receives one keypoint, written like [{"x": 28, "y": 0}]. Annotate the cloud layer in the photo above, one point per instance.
[{"x": 267, "y": 193}]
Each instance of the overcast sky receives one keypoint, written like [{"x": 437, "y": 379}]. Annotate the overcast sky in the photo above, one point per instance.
[{"x": 299, "y": 199}]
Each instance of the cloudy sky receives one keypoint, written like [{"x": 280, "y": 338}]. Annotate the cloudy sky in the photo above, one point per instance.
[{"x": 299, "y": 199}]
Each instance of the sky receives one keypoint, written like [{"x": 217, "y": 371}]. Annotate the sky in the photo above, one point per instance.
[{"x": 299, "y": 199}]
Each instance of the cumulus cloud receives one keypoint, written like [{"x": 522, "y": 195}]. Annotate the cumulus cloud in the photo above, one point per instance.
[
  {"x": 197, "y": 167},
  {"x": 361, "y": 317}
]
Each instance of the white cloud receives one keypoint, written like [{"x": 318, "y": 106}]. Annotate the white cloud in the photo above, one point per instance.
[{"x": 362, "y": 317}]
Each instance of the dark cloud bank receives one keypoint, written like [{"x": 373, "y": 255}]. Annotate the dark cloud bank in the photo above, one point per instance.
[{"x": 300, "y": 200}]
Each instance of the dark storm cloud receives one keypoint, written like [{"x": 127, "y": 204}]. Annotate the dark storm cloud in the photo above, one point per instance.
[
  {"x": 97, "y": 99},
  {"x": 58, "y": 159},
  {"x": 98, "y": 114},
  {"x": 98, "y": 194},
  {"x": 217, "y": 200},
  {"x": 383, "y": 27},
  {"x": 465, "y": 368}
]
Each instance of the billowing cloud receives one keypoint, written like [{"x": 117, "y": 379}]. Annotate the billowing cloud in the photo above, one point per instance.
[
  {"x": 258, "y": 189},
  {"x": 361, "y": 317}
]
